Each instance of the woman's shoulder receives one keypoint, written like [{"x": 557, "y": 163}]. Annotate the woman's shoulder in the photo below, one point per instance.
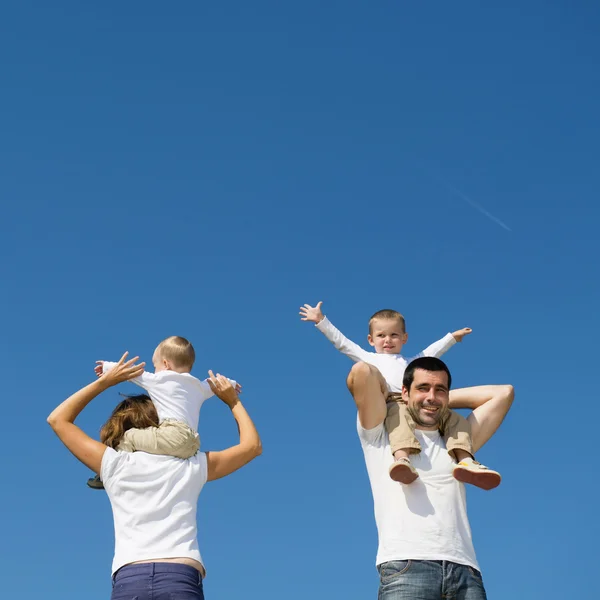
[{"x": 115, "y": 461}]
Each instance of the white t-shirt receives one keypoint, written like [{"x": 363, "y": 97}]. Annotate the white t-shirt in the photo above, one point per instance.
[
  {"x": 426, "y": 520},
  {"x": 391, "y": 366},
  {"x": 154, "y": 500},
  {"x": 177, "y": 396}
]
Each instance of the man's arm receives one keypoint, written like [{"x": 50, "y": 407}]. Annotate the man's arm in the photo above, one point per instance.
[
  {"x": 490, "y": 404},
  {"x": 333, "y": 334}
]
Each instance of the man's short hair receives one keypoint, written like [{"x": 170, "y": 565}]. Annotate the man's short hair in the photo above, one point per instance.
[
  {"x": 388, "y": 314},
  {"x": 425, "y": 363},
  {"x": 178, "y": 351}
]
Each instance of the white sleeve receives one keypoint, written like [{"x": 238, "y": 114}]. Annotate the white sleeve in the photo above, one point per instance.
[
  {"x": 372, "y": 437},
  {"x": 145, "y": 380},
  {"x": 109, "y": 464},
  {"x": 437, "y": 348},
  {"x": 341, "y": 342},
  {"x": 207, "y": 392}
]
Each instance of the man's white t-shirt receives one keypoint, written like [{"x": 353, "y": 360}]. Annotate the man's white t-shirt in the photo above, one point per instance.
[
  {"x": 154, "y": 500},
  {"x": 426, "y": 520}
]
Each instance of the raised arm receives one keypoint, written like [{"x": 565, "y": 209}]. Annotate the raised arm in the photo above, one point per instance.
[
  {"x": 62, "y": 418},
  {"x": 490, "y": 404},
  {"x": 334, "y": 335},
  {"x": 442, "y": 346},
  {"x": 225, "y": 462},
  {"x": 144, "y": 379}
]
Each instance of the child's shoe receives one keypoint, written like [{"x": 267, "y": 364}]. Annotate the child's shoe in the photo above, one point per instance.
[
  {"x": 95, "y": 483},
  {"x": 402, "y": 471},
  {"x": 470, "y": 471}
]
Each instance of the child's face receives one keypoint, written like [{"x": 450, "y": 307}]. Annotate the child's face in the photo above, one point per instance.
[{"x": 387, "y": 336}]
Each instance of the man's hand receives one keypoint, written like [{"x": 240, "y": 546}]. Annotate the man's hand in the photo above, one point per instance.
[
  {"x": 222, "y": 388},
  {"x": 460, "y": 334},
  {"x": 312, "y": 313},
  {"x": 124, "y": 371},
  {"x": 99, "y": 368},
  {"x": 238, "y": 388}
]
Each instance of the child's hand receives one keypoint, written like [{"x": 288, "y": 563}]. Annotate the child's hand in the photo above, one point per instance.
[
  {"x": 99, "y": 368},
  {"x": 460, "y": 334},
  {"x": 312, "y": 313},
  {"x": 124, "y": 370}
]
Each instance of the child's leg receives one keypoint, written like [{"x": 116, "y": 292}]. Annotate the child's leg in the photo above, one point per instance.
[
  {"x": 172, "y": 438},
  {"x": 457, "y": 434},
  {"x": 400, "y": 428}
]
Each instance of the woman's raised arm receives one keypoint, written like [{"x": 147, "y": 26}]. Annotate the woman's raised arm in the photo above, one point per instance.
[
  {"x": 62, "y": 418},
  {"x": 227, "y": 461}
]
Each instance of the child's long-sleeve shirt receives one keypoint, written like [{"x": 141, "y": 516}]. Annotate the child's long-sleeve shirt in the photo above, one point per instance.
[
  {"x": 391, "y": 366},
  {"x": 177, "y": 396}
]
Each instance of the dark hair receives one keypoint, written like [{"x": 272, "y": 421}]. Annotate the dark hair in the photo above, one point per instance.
[
  {"x": 135, "y": 412},
  {"x": 425, "y": 363}
]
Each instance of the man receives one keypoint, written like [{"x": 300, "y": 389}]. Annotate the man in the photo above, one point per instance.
[{"x": 425, "y": 548}]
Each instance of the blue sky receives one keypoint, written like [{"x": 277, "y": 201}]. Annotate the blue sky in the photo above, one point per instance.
[{"x": 203, "y": 169}]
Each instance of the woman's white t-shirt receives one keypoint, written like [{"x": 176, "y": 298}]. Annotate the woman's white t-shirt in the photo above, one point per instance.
[
  {"x": 154, "y": 500},
  {"x": 426, "y": 520}
]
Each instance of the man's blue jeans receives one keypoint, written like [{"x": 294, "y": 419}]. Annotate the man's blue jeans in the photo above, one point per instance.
[
  {"x": 157, "y": 581},
  {"x": 429, "y": 580}
]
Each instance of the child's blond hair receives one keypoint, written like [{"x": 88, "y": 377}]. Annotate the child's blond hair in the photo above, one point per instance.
[
  {"x": 178, "y": 351},
  {"x": 387, "y": 314}
]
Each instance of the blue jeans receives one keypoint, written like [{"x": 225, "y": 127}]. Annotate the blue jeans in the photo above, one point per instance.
[
  {"x": 429, "y": 580},
  {"x": 157, "y": 581}
]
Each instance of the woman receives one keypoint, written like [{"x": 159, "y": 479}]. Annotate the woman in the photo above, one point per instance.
[{"x": 153, "y": 497}]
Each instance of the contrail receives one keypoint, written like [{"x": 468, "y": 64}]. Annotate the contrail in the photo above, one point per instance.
[
  {"x": 477, "y": 206},
  {"x": 468, "y": 200}
]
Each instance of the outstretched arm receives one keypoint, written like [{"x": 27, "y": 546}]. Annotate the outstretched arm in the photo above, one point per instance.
[
  {"x": 490, "y": 404},
  {"x": 333, "y": 334},
  {"x": 144, "y": 379},
  {"x": 227, "y": 461},
  {"x": 442, "y": 346},
  {"x": 62, "y": 418}
]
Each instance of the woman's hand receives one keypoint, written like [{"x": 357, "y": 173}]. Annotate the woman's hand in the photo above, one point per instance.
[
  {"x": 222, "y": 388},
  {"x": 124, "y": 370}
]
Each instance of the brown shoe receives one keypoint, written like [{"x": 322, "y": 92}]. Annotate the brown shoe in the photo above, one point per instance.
[
  {"x": 402, "y": 471},
  {"x": 470, "y": 471}
]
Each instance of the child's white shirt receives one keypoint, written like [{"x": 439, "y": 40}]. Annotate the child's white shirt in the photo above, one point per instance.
[
  {"x": 176, "y": 396},
  {"x": 391, "y": 366}
]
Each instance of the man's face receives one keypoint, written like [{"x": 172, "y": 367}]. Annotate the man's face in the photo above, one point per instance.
[
  {"x": 387, "y": 336},
  {"x": 428, "y": 398}
]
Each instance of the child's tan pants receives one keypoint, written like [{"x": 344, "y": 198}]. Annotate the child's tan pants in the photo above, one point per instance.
[
  {"x": 171, "y": 437},
  {"x": 400, "y": 427}
]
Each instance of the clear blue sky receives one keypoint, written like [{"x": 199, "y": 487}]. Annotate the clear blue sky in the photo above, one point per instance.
[{"x": 202, "y": 169}]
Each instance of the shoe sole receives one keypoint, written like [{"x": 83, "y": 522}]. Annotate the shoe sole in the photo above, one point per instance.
[
  {"x": 486, "y": 480},
  {"x": 402, "y": 473},
  {"x": 95, "y": 486}
]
